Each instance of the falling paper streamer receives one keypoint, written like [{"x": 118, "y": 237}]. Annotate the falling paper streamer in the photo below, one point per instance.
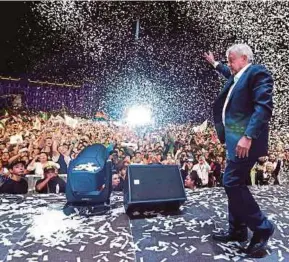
[{"x": 137, "y": 29}]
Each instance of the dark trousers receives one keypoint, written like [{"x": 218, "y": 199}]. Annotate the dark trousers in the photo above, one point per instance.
[{"x": 243, "y": 210}]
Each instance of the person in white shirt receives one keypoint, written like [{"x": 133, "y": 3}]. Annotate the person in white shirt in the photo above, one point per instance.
[
  {"x": 39, "y": 163},
  {"x": 203, "y": 169}
]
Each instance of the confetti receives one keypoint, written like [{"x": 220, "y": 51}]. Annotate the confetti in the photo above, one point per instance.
[
  {"x": 164, "y": 63},
  {"x": 92, "y": 43}
]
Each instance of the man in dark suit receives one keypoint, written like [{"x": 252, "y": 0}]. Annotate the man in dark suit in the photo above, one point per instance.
[{"x": 241, "y": 114}]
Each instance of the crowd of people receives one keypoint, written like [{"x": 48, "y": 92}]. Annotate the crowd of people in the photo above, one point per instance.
[{"x": 31, "y": 145}]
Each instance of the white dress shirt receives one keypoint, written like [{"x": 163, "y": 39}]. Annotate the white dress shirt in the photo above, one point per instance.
[{"x": 236, "y": 78}]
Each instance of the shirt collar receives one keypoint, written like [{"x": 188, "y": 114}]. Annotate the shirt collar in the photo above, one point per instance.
[{"x": 239, "y": 74}]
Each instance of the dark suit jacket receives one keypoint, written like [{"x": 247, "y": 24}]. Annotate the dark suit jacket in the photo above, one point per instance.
[{"x": 248, "y": 110}]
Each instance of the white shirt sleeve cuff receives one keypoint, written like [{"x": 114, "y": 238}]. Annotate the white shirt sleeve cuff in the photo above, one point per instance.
[{"x": 215, "y": 64}]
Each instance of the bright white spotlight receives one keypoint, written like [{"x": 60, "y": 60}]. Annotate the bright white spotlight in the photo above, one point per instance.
[{"x": 139, "y": 115}]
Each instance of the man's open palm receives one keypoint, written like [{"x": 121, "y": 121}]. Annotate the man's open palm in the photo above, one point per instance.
[{"x": 209, "y": 57}]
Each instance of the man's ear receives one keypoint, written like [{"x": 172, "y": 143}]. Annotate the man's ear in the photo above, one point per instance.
[{"x": 245, "y": 58}]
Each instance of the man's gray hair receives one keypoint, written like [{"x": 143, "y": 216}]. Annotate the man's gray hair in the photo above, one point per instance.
[{"x": 241, "y": 49}]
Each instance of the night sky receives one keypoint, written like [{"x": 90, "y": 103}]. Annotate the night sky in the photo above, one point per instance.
[
  {"x": 94, "y": 43},
  {"x": 11, "y": 17}
]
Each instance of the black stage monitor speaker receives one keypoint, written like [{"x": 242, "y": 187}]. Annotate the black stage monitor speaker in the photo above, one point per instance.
[{"x": 152, "y": 187}]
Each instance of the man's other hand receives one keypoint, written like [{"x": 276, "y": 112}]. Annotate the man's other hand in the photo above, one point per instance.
[{"x": 243, "y": 147}]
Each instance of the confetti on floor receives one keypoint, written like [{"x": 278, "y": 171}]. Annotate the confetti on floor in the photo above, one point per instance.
[{"x": 184, "y": 236}]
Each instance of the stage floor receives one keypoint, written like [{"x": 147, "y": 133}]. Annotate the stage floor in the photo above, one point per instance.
[{"x": 34, "y": 228}]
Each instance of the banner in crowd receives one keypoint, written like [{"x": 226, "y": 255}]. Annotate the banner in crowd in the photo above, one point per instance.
[
  {"x": 44, "y": 115},
  {"x": 37, "y": 124},
  {"x": 69, "y": 121},
  {"x": 101, "y": 116},
  {"x": 201, "y": 128},
  {"x": 16, "y": 139}
]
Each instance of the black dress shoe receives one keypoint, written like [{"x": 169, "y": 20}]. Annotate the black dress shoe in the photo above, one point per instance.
[
  {"x": 258, "y": 242},
  {"x": 240, "y": 236}
]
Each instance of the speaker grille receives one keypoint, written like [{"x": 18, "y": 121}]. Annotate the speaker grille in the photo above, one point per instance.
[{"x": 155, "y": 183}]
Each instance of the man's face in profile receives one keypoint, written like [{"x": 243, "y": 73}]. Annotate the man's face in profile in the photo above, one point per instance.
[{"x": 236, "y": 62}]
